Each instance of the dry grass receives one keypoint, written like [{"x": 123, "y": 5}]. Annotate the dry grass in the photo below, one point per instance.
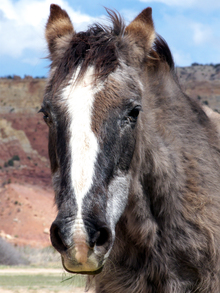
[{"x": 44, "y": 274}]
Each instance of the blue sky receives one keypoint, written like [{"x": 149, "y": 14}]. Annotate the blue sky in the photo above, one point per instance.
[{"x": 190, "y": 27}]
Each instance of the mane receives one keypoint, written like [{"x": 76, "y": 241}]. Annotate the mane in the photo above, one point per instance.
[
  {"x": 97, "y": 46},
  {"x": 163, "y": 50}
]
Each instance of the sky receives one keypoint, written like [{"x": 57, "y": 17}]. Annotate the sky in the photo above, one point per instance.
[{"x": 190, "y": 27}]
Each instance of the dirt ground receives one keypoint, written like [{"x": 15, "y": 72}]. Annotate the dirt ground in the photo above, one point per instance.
[{"x": 27, "y": 212}]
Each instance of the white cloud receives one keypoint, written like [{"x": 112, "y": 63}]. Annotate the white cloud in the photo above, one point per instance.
[
  {"x": 32, "y": 61},
  {"x": 192, "y": 30},
  {"x": 129, "y": 15},
  {"x": 190, "y": 38},
  {"x": 201, "y": 33},
  {"x": 199, "y": 4},
  {"x": 172, "y": 2},
  {"x": 22, "y": 25},
  {"x": 181, "y": 58}
]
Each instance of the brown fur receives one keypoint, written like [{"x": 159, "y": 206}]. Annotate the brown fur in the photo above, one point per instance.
[
  {"x": 141, "y": 34},
  {"x": 59, "y": 30}
]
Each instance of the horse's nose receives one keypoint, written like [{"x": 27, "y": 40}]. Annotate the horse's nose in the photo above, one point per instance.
[{"x": 99, "y": 236}]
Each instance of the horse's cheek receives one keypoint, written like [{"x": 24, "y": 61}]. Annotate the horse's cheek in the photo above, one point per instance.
[{"x": 117, "y": 198}]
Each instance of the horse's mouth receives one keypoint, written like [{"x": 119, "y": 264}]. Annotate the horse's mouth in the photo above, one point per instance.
[
  {"x": 92, "y": 266},
  {"x": 96, "y": 272}
]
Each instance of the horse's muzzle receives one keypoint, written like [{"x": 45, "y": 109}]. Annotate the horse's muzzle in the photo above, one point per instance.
[
  {"x": 81, "y": 252},
  {"x": 92, "y": 265}
]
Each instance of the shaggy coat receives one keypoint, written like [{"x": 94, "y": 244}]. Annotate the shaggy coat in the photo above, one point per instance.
[{"x": 155, "y": 150}]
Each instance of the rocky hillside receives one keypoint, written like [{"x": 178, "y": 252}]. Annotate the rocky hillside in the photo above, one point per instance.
[
  {"x": 26, "y": 196},
  {"x": 202, "y": 83},
  {"x": 23, "y": 134}
]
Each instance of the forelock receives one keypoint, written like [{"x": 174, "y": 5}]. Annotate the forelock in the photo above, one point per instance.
[{"x": 98, "y": 47}]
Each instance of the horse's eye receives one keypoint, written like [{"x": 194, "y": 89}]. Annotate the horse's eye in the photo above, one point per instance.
[
  {"x": 133, "y": 114},
  {"x": 46, "y": 116}
]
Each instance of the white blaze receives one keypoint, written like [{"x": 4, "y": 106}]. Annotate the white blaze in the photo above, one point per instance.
[{"x": 79, "y": 97}]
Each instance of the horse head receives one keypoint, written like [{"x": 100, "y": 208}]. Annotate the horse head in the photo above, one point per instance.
[{"x": 92, "y": 105}]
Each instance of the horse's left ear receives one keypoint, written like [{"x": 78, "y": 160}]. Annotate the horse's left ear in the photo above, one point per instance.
[
  {"x": 141, "y": 34},
  {"x": 59, "y": 30}
]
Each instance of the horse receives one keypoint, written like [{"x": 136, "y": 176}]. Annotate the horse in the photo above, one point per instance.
[{"x": 134, "y": 161}]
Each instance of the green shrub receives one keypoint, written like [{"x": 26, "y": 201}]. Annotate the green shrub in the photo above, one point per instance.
[
  {"x": 15, "y": 158},
  {"x": 10, "y": 162}
]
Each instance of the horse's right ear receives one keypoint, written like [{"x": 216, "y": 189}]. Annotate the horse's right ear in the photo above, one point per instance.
[
  {"x": 59, "y": 30},
  {"x": 141, "y": 35}
]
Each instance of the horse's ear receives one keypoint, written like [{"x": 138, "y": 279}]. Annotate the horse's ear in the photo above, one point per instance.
[
  {"x": 59, "y": 30},
  {"x": 141, "y": 34}
]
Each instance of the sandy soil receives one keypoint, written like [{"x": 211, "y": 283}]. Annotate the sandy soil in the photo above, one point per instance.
[{"x": 26, "y": 212}]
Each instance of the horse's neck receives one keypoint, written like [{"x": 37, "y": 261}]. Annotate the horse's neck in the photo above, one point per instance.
[{"x": 153, "y": 199}]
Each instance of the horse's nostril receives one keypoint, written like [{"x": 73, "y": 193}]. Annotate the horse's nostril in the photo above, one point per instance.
[
  {"x": 56, "y": 239},
  {"x": 102, "y": 236}
]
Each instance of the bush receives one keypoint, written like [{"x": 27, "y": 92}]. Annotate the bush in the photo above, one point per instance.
[
  {"x": 9, "y": 255},
  {"x": 40, "y": 256},
  {"x": 10, "y": 162},
  {"x": 16, "y": 158}
]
